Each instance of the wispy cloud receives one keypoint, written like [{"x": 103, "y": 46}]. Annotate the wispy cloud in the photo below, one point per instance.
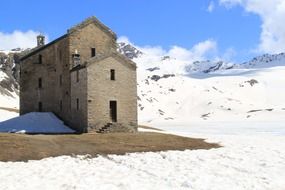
[{"x": 211, "y": 6}]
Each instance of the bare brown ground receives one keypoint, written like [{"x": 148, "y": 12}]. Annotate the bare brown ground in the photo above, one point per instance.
[
  {"x": 10, "y": 109},
  {"x": 17, "y": 147},
  {"x": 147, "y": 127}
]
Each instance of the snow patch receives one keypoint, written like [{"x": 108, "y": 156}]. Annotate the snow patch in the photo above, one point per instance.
[{"x": 35, "y": 123}]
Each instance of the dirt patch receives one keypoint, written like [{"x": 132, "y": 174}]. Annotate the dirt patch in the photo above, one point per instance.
[
  {"x": 17, "y": 147},
  {"x": 10, "y": 109},
  {"x": 147, "y": 127}
]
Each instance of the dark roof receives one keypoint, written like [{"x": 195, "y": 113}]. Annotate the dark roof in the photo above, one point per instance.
[
  {"x": 78, "y": 67},
  {"x": 86, "y": 22},
  {"x": 114, "y": 54},
  {"x": 37, "y": 49}
]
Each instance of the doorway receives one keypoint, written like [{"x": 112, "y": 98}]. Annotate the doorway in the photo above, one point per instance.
[{"x": 113, "y": 111}]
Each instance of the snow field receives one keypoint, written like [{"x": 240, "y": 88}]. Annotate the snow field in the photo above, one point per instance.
[{"x": 245, "y": 162}]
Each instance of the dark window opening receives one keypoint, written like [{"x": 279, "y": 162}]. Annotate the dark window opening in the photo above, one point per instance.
[
  {"x": 113, "y": 111},
  {"x": 40, "y": 83},
  {"x": 40, "y": 59},
  {"x": 60, "y": 105},
  {"x": 112, "y": 71},
  {"x": 93, "y": 52},
  {"x": 77, "y": 76},
  {"x": 76, "y": 59},
  {"x": 77, "y": 104},
  {"x": 60, "y": 80},
  {"x": 40, "y": 107}
]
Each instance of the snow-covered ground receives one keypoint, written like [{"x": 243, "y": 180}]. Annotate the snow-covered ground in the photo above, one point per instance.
[
  {"x": 242, "y": 107},
  {"x": 35, "y": 123},
  {"x": 254, "y": 94},
  {"x": 8, "y": 99},
  {"x": 246, "y": 161}
]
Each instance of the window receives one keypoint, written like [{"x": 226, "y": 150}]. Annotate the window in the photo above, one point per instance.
[
  {"x": 113, "y": 111},
  {"x": 76, "y": 59},
  {"x": 112, "y": 72},
  {"x": 40, "y": 83},
  {"x": 40, "y": 107},
  {"x": 60, "y": 105},
  {"x": 77, "y": 104},
  {"x": 77, "y": 76},
  {"x": 40, "y": 59},
  {"x": 93, "y": 52},
  {"x": 60, "y": 80}
]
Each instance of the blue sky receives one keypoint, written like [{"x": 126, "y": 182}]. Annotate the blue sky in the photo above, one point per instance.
[{"x": 164, "y": 23}]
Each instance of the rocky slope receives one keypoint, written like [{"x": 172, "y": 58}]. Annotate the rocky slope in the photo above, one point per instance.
[
  {"x": 9, "y": 71},
  {"x": 174, "y": 90}
]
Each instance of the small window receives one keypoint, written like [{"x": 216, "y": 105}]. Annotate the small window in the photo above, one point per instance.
[
  {"x": 40, "y": 59},
  {"x": 77, "y": 76},
  {"x": 93, "y": 52},
  {"x": 60, "y": 105},
  {"x": 40, "y": 107},
  {"x": 112, "y": 72},
  {"x": 60, "y": 80},
  {"x": 40, "y": 83},
  {"x": 77, "y": 104}
]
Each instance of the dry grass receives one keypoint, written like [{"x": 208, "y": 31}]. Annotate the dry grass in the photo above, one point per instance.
[
  {"x": 10, "y": 109},
  {"x": 147, "y": 127},
  {"x": 16, "y": 147}
]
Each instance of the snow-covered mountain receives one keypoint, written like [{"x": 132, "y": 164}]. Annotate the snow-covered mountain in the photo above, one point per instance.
[
  {"x": 9, "y": 88},
  {"x": 178, "y": 91},
  {"x": 175, "y": 90}
]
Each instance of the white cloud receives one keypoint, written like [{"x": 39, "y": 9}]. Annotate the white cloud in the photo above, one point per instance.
[
  {"x": 272, "y": 13},
  {"x": 199, "y": 51},
  {"x": 153, "y": 50},
  {"x": 203, "y": 48},
  {"x": 17, "y": 39},
  {"x": 123, "y": 39},
  {"x": 211, "y": 7}
]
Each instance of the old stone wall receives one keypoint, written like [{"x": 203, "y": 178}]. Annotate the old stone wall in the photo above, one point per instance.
[
  {"x": 102, "y": 90},
  {"x": 55, "y": 65},
  {"x": 80, "y": 95},
  {"x": 91, "y": 36},
  {"x": 78, "y": 110},
  {"x": 81, "y": 42}
]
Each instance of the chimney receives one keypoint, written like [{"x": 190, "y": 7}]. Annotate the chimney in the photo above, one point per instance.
[{"x": 40, "y": 40}]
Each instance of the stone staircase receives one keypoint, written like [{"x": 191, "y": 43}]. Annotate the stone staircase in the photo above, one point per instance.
[
  {"x": 106, "y": 128},
  {"x": 115, "y": 128}
]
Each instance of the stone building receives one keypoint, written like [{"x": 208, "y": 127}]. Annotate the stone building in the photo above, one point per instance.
[{"x": 82, "y": 79}]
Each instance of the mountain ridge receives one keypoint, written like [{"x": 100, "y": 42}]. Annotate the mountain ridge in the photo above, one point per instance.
[{"x": 170, "y": 89}]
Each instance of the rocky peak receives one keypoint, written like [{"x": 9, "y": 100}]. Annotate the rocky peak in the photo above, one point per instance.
[{"x": 128, "y": 50}]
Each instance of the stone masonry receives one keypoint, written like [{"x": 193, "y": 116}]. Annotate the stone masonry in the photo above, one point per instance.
[{"x": 82, "y": 79}]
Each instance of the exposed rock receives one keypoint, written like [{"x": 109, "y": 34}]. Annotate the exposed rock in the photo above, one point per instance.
[
  {"x": 128, "y": 50},
  {"x": 157, "y": 77},
  {"x": 165, "y": 58},
  {"x": 153, "y": 69},
  {"x": 252, "y": 82}
]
